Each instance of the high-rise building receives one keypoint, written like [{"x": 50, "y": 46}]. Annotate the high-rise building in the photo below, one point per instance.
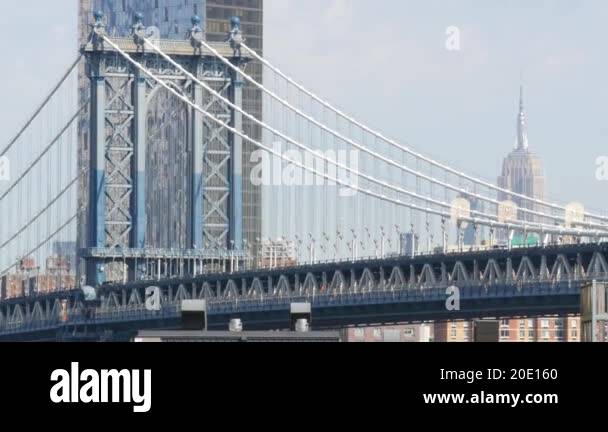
[
  {"x": 522, "y": 170},
  {"x": 474, "y": 234},
  {"x": 409, "y": 244},
  {"x": 279, "y": 253},
  {"x": 173, "y": 19}
]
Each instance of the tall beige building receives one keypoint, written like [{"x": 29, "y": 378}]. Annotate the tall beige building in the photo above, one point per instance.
[{"x": 522, "y": 170}]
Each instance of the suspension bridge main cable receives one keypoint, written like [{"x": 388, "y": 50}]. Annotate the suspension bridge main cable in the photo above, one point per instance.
[
  {"x": 41, "y": 107},
  {"x": 374, "y": 154},
  {"x": 548, "y": 229},
  {"x": 407, "y": 149},
  {"x": 45, "y": 241},
  {"x": 41, "y": 212},
  {"x": 297, "y": 144},
  {"x": 44, "y": 151},
  {"x": 320, "y": 156}
]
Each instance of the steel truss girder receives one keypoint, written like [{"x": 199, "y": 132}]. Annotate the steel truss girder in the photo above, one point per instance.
[
  {"x": 119, "y": 149},
  {"x": 527, "y": 274},
  {"x": 216, "y": 166}
]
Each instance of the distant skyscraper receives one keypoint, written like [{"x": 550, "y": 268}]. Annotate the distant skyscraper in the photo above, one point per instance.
[
  {"x": 409, "y": 244},
  {"x": 474, "y": 234},
  {"x": 66, "y": 250},
  {"x": 522, "y": 170},
  {"x": 173, "y": 19}
]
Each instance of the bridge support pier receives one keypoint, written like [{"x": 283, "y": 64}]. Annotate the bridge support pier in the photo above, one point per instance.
[{"x": 204, "y": 177}]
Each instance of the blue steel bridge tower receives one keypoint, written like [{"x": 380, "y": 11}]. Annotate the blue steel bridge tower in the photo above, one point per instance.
[
  {"x": 171, "y": 20},
  {"x": 165, "y": 183}
]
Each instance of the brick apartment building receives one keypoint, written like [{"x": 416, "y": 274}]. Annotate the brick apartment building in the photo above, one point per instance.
[
  {"x": 400, "y": 333},
  {"x": 544, "y": 329}
]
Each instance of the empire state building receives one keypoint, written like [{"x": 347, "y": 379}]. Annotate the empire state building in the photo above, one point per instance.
[{"x": 522, "y": 170}]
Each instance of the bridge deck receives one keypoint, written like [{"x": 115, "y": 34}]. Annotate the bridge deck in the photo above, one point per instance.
[{"x": 526, "y": 282}]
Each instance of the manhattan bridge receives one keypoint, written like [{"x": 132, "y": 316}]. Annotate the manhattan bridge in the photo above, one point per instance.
[{"x": 153, "y": 198}]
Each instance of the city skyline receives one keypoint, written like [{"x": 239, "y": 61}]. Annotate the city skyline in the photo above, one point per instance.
[
  {"x": 419, "y": 172},
  {"x": 164, "y": 138}
]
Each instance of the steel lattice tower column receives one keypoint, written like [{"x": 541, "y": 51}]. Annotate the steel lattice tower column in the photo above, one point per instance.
[{"x": 150, "y": 150}]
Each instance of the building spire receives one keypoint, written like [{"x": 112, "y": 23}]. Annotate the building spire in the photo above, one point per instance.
[{"x": 522, "y": 129}]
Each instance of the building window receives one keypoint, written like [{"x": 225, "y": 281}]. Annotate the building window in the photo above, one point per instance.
[
  {"x": 409, "y": 332},
  {"x": 504, "y": 323},
  {"x": 391, "y": 335},
  {"x": 574, "y": 324},
  {"x": 377, "y": 333},
  {"x": 544, "y": 323},
  {"x": 559, "y": 329},
  {"x": 359, "y": 333},
  {"x": 504, "y": 333}
]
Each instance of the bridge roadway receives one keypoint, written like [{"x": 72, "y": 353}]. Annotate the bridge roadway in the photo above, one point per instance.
[{"x": 496, "y": 283}]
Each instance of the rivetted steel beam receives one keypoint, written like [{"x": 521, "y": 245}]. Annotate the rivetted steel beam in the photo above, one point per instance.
[
  {"x": 236, "y": 185},
  {"x": 196, "y": 218},
  {"x": 97, "y": 193}
]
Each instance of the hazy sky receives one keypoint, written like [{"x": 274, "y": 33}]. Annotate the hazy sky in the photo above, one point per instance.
[{"x": 385, "y": 61}]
